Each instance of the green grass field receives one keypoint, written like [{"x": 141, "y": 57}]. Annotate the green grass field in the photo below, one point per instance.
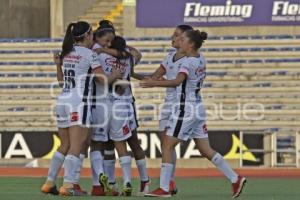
[{"x": 198, "y": 188}]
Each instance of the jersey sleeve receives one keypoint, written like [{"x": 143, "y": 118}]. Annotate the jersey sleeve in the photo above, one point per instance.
[{"x": 185, "y": 67}]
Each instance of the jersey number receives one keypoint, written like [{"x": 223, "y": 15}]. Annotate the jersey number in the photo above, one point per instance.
[{"x": 69, "y": 79}]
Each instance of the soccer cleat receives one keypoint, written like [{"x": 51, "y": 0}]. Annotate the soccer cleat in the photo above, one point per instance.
[
  {"x": 127, "y": 190},
  {"x": 103, "y": 180},
  {"x": 97, "y": 191},
  {"x": 237, "y": 187},
  {"x": 49, "y": 189},
  {"x": 63, "y": 191},
  {"x": 77, "y": 187},
  {"x": 158, "y": 193},
  {"x": 145, "y": 188},
  {"x": 113, "y": 190},
  {"x": 173, "y": 187}
]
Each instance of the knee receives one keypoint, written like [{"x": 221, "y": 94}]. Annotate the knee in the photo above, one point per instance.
[
  {"x": 208, "y": 153},
  {"x": 64, "y": 148}
]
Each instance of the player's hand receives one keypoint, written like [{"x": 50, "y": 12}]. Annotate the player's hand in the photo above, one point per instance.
[
  {"x": 99, "y": 50},
  {"x": 147, "y": 83},
  {"x": 56, "y": 59}
]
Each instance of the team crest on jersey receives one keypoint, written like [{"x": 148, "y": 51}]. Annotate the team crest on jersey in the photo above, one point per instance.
[
  {"x": 74, "y": 117},
  {"x": 125, "y": 130}
]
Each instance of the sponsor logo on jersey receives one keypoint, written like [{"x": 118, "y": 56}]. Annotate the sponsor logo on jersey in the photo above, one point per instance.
[
  {"x": 74, "y": 117},
  {"x": 125, "y": 130},
  {"x": 113, "y": 63}
]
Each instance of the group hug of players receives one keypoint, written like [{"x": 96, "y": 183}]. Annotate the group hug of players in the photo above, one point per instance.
[{"x": 96, "y": 110}]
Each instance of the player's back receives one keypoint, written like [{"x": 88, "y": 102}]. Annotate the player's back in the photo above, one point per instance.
[{"x": 77, "y": 72}]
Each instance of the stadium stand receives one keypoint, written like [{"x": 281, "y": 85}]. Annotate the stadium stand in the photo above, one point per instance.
[{"x": 258, "y": 74}]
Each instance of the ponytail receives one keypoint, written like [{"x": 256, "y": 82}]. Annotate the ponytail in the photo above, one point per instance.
[
  {"x": 68, "y": 42},
  {"x": 197, "y": 37}
]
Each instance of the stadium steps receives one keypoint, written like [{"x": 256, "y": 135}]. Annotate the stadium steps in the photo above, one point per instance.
[{"x": 105, "y": 9}]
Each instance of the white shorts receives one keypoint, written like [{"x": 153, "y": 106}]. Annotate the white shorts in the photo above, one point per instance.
[
  {"x": 71, "y": 114},
  {"x": 101, "y": 115},
  {"x": 188, "y": 122},
  {"x": 165, "y": 116},
  {"x": 111, "y": 120}
]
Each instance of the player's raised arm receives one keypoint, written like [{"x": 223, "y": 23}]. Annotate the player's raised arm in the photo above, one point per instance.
[{"x": 164, "y": 83}]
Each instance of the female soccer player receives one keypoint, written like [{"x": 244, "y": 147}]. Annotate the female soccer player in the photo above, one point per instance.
[
  {"x": 103, "y": 37},
  {"x": 116, "y": 109},
  {"x": 169, "y": 68},
  {"x": 73, "y": 104},
  {"x": 188, "y": 117}
]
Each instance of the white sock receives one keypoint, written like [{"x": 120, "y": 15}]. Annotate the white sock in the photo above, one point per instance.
[
  {"x": 55, "y": 165},
  {"x": 224, "y": 167},
  {"x": 71, "y": 163},
  {"x": 125, "y": 163},
  {"x": 96, "y": 166},
  {"x": 78, "y": 168},
  {"x": 109, "y": 170},
  {"x": 165, "y": 176},
  {"x": 174, "y": 159},
  {"x": 141, "y": 165}
]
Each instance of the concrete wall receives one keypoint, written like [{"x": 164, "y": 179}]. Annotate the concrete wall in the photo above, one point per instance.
[
  {"x": 24, "y": 18},
  {"x": 72, "y": 9},
  {"x": 130, "y": 29}
]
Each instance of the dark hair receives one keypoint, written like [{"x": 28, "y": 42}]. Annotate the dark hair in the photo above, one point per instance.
[
  {"x": 105, "y": 26},
  {"x": 196, "y": 37},
  {"x": 119, "y": 44},
  {"x": 75, "y": 33},
  {"x": 184, "y": 27}
]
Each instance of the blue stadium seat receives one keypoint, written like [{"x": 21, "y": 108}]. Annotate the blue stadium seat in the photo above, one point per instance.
[
  {"x": 155, "y": 62},
  {"x": 212, "y": 61},
  {"x": 228, "y": 37},
  {"x": 256, "y": 37},
  {"x": 255, "y": 49},
  {"x": 228, "y": 49},
  {"x": 214, "y": 38},
  {"x": 144, "y": 62},
  {"x": 255, "y": 61},
  {"x": 226, "y": 61},
  {"x": 240, "y": 61},
  {"x": 207, "y": 85},
  {"x": 271, "y": 37},
  {"x": 145, "y": 50},
  {"x": 213, "y": 50},
  {"x": 242, "y": 37},
  {"x": 242, "y": 49},
  {"x": 285, "y": 37},
  {"x": 270, "y": 49},
  {"x": 158, "y": 50},
  {"x": 27, "y": 75},
  {"x": 286, "y": 49},
  {"x": 37, "y": 51}
]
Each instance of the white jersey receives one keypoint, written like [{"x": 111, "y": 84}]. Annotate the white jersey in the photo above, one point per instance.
[
  {"x": 172, "y": 68},
  {"x": 109, "y": 62},
  {"x": 195, "y": 69},
  {"x": 77, "y": 70},
  {"x": 96, "y": 46}
]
